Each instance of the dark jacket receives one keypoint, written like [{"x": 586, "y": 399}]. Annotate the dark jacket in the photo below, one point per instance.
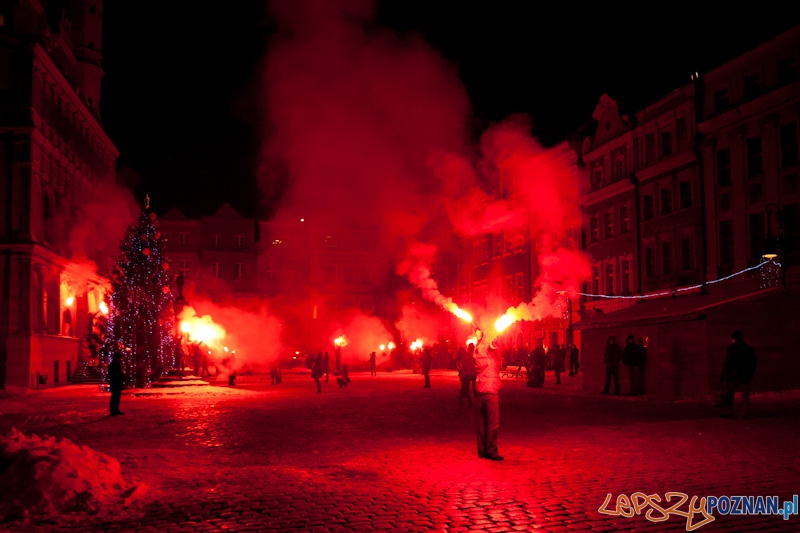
[
  {"x": 740, "y": 363},
  {"x": 317, "y": 371},
  {"x": 633, "y": 354},
  {"x": 116, "y": 379},
  {"x": 613, "y": 354}
]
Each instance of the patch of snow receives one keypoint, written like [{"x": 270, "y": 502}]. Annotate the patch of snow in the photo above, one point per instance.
[{"x": 45, "y": 477}]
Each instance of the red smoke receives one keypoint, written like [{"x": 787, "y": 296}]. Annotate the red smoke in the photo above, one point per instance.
[{"x": 367, "y": 127}]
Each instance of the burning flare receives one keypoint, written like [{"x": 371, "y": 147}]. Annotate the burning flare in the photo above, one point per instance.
[
  {"x": 103, "y": 308},
  {"x": 472, "y": 340},
  {"x": 200, "y": 329},
  {"x": 416, "y": 345},
  {"x": 340, "y": 341},
  {"x": 460, "y": 313},
  {"x": 503, "y": 322}
]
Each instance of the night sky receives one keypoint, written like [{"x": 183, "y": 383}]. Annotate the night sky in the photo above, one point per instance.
[{"x": 180, "y": 99}]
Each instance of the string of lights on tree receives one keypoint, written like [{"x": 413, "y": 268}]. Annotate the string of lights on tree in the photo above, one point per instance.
[
  {"x": 768, "y": 274},
  {"x": 141, "y": 317}
]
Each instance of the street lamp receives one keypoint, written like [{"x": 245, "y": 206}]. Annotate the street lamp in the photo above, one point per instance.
[{"x": 774, "y": 241}]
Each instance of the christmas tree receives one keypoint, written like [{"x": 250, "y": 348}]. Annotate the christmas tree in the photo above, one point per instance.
[{"x": 141, "y": 317}]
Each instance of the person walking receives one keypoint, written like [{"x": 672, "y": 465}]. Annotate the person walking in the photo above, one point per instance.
[
  {"x": 116, "y": 382},
  {"x": 326, "y": 366},
  {"x": 574, "y": 366},
  {"x": 373, "y": 364},
  {"x": 317, "y": 371},
  {"x": 612, "y": 357},
  {"x": 737, "y": 371},
  {"x": 558, "y": 361},
  {"x": 633, "y": 356},
  {"x": 425, "y": 362},
  {"x": 467, "y": 373},
  {"x": 488, "y": 384}
]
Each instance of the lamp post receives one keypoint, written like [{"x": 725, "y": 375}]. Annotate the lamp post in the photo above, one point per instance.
[{"x": 773, "y": 247}]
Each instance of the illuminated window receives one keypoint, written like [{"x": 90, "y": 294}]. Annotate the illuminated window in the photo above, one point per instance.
[{"x": 239, "y": 271}]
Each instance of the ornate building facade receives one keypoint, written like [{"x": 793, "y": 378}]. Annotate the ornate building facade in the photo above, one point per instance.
[{"x": 54, "y": 158}]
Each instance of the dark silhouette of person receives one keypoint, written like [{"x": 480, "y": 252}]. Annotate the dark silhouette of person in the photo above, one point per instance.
[
  {"x": 633, "y": 356},
  {"x": 612, "y": 357},
  {"x": 574, "y": 366},
  {"x": 232, "y": 370},
  {"x": 488, "y": 383},
  {"x": 197, "y": 356},
  {"x": 558, "y": 361},
  {"x": 468, "y": 373},
  {"x": 317, "y": 371},
  {"x": 425, "y": 363},
  {"x": 180, "y": 358},
  {"x": 326, "y": 366},
  {"x": 737, "y": 371},
  {"x": 204, "y": 364},
  {"x": 344, "y": 379},
  {"x": 116, "y": 382},
  {"x": 373, "y": 365},
  {"x": 273, "y": 374}
]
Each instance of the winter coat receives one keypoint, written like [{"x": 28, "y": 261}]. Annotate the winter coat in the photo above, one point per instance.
[
  {"x": 316, "y": 370},
  {"x": 740, "y": 363},
  {"x": 488, "y": 366},
  {"x": 467, "y": 364},
  {"x": 633, "y": 354},
  {"x": 116, "y": 379},
  {"x": 612, "y": 355}
]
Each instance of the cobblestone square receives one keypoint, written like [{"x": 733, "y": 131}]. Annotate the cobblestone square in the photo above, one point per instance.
[{"x": 386, "y": 454}]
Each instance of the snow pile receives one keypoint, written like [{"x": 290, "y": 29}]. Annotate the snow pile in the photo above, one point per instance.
[{"x": 44, "y": 476}]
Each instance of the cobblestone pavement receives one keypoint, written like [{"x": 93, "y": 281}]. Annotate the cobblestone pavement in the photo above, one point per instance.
[{"x": 388, "y": 455}]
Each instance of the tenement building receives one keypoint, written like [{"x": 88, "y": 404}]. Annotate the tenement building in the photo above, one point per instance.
[{"x": 54, "y": 157}]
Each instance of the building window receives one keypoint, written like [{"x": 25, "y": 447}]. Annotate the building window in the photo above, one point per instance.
[
  {"x": 240, "y": 241},
  {"x": 666, "y": 258},
  {"x": 509, "y": 287},
  {"x": 721, "y": 102},
  {"x": 789, "y": 144},
  {"x": 238, "y": 271},
  {"x": 790, "y": 183},
  {"x": 619, "y": 168},
  {"x": 347, "y": 305},
  {"x": 498, "y": 244},
  {"x": 648, "y": 206},
  {"x": 610, "y": 279},
  {"x": 270, "y": 272},
  {"x": 596, "y": 279},
  {"x": 594, "y": 227},
  {"x": 183, "y": 269},
  {"x": 484, "y": 251},
  {"x": 754, "y": 161},
  {"x": 685, "y": 188},
  {"x": 624, "y": 219},
  {"x": 757, "y": 236},
  {"x": 752, "y": 86},
  {"x": 215, "y": 241},
  {"x": 608, "y": 224},
  {"x": 627, "y": 278},
  {"x": 330, "y": 241},
  {"x": 687, "y": 257},
  {"x": 183, "y": 239},
  {"x": 724, "y": 202},
  {"x": 649, "y": 262},
  {"x": 650, "y": 147},
  {"x": 682, "y": 134},
  {"x": 755, "y": 193},
  {"x": 724, "y": 167},
  {"x": 366, "y": 306},
  {"x": 91, "y": 10},
  {"x": 347, "y": 274},
  {"x": 726, "y": 242},
  {"x": 787, "y": 71},
  {"x": 666, "y": 143},
  {"x": 216, "y": 270},
  {"x": 666, "y": 201},
  {"x": 597, "y": 174},
  {"x": 330, "y": 274},
  {"x": 519, "y": 282}
]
